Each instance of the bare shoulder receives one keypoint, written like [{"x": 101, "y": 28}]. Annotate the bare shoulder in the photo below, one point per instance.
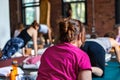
[
  {"x": 31, "y": 31},
  {"x": 113, "y": 42}
]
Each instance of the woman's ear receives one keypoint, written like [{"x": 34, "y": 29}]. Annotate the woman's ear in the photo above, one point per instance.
[
  {"x": 79, "y": 36},
  {"x": 83, "y": 33}
]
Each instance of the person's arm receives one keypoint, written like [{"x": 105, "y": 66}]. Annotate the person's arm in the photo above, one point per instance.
[
  {"x": 85, "y": 71},
  {"x": 117, "y": 50},
  {"x": 34, "y": 37},
  {"x": 16, "y": 33},
  {"x": 115, "y": 44},
  {"x": 49, "y": 35},
  {"x": 23, "y": 51},
  {"x": 85, "y": 75},
  {"x": 97, "y": 71}
]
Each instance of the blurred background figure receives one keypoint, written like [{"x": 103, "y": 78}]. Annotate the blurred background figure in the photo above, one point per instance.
[
  {"x": 45, "y": 25},
  {"x": 68, "y": 10},
  {"x": 45, "y": 34},
  {"x": 97, "y": 48},
  {"x": 93, "y": 36},
  {"x": 19, "y": 42},
  {"x": 118, "y": 33},
  {"x": 20, "y": 27}
]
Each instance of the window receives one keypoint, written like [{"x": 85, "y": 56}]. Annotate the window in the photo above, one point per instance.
[
  {"x": 78, "y": 8},
  {"x": 30, "y": 9}
]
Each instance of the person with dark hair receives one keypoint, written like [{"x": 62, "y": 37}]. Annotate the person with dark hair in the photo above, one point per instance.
[
  {"x": 65, "y": 61},
  {"x": 96, "y": 50},
  {"x": 93, "y": 36},
  {"x": 14, "y": 44},
  {"x": 67, "y": 10}
]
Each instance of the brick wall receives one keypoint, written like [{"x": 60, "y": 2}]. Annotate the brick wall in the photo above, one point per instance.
[
  {"x": 55, "y": 14},
  {"x": 104, "y": 11}
]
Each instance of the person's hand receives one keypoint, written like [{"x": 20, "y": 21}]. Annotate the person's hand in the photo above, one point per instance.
[
  {"x": 51, "y": 44},
  {"x": 34, "y": 55}
]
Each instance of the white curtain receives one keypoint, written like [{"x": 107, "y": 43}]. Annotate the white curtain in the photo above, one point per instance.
[{"x": 4, "y": 22}]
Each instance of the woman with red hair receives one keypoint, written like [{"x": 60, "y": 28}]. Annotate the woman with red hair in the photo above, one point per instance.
[{"x": 14, "y": 44}]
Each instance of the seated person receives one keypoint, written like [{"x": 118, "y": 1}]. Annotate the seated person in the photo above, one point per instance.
[
  {"x": 97, "y": 48},
  {"x": 65, "y": 61}
]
